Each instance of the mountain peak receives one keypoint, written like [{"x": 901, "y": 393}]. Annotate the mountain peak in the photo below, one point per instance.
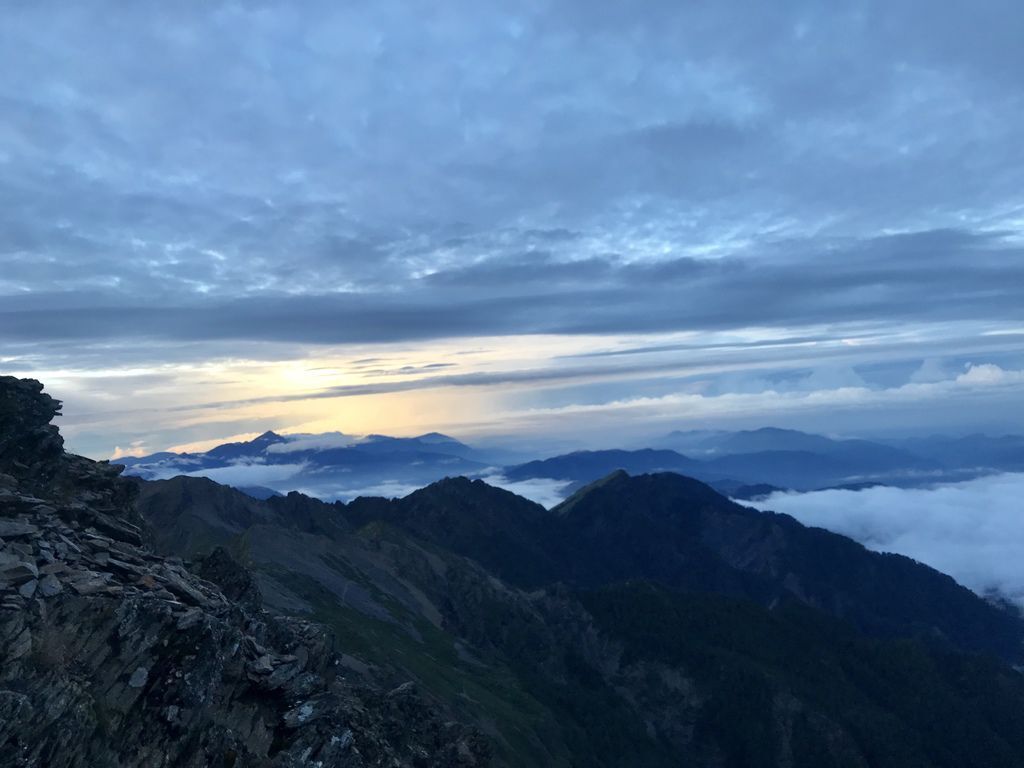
[{"x": 669, "y": 485}]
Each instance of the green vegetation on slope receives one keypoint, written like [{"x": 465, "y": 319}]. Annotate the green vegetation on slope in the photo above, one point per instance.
[{"x": 792, "y": 680}]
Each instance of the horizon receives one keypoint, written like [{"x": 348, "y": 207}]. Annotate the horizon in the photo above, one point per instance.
[{"x": 354, "y": 439}]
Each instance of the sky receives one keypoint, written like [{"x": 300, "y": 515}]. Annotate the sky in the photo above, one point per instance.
[{"x": 557, "y": 224}]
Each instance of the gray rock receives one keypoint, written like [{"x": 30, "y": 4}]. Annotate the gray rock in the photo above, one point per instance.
[
  {"x": 8, "y": 558},
  {"x": 89, "y": 586},
  {"x": 19, "y": 572},
  {"x": 50, "y": 585},
  {"x": 190, "y": 618},
  {"x": 21, "y": 646},
  {"x": 11, "y": 529},
  {"x": 28, "y": 589},
  {"x": 262, "y": 666},
  {"x": 139, "y": 677}
]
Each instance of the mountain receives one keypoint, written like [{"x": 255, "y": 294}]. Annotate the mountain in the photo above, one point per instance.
[
  {"x": 587, "y": 466},
  {"x": 645, "y": 621},
  {"x": 116, "y": 656},
  {"x": 679, "y": 532},
  {"x": 1003, "y": 453},
  {"x": 769, "y": 456},
  {"x": 329, "y": 466},
  {"x": 334, "y": 466}
]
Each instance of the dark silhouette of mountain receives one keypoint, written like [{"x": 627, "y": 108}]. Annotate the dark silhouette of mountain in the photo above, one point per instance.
[
  {"x": 680, "y": 532},
  {"x": 645, "y": 621}
]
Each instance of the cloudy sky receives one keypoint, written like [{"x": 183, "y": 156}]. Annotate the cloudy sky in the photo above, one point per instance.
[{"x": 570, "y": 222}]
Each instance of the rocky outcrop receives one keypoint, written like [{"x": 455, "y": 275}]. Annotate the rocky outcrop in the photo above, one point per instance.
[{"x": 114, "y": 656}]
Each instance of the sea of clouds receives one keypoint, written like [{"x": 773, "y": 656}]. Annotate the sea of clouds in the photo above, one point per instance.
[{"x": 974, "y": 531}]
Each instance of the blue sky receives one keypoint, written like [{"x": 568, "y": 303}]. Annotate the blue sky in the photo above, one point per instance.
[{"x": 552, "y": 223}]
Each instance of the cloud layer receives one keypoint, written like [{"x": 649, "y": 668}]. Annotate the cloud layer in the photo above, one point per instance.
[{"x": 973, "y": 531}]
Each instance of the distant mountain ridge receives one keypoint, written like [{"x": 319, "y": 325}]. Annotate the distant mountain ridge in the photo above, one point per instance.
[
  {"x": 331, "y": 465},
  {"x": 752, "y": 461},
  {"x": 745, "y": 464}
]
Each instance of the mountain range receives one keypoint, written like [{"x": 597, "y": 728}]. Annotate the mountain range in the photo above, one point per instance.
[
  {"x": 744, "y": 464},
  {"x": 645, "y": 620}
]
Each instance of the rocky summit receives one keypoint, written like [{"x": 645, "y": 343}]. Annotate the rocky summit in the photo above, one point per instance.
[{"x": 115, "y": 656}]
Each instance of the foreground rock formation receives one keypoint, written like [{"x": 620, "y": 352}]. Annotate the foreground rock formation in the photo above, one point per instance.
[{"x": 114, "y": 656}]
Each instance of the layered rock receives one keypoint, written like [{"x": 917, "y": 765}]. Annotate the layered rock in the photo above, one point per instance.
[{"x": 115, "y": 656}]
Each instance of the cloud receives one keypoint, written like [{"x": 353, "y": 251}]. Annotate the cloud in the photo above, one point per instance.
[
  {"x": 322, "y": 442},
  {"x": 989, "y": 375},
  {"x": 973, "y": 531},
  {"x": 801, "y": 288},
  {"x": 510, "y": 171},
  {"x": 545, "y": 491},
  {"x": 245, "y": 474},
  {"x": 515, "y": 170},
  {"x": 137, "y": 448}
]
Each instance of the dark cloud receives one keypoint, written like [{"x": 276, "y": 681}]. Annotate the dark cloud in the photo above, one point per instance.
[{"x": 944, "y": 275}]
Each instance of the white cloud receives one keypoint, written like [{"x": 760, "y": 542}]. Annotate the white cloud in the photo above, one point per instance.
[
  {"x": 322, "y": 442},
  {"x": 973, "y": 531},
  {"x": 978, "y": 392},
  {"x": 241, "y": 475},
  {"x": 988, "y": 375},
  {"x": 388, "y": 489},
  {"x": 136, "y": 448},
  {"x": 545, "y": 491}
]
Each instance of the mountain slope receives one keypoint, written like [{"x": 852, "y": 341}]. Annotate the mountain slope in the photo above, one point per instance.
[
  {"x": 672, "y": 521},
  {"x": 680, "y": 532}
]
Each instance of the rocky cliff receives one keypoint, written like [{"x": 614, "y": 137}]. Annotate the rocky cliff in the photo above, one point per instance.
[{"x": 115, "y": 656}]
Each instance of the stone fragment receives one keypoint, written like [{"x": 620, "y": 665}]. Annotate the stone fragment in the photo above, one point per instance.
[
  {"x": 19, "y": 572},
  {"x": 28, "y": 589},
  {"x": 262, "y": 665},
  {"x": 21, "y": 646},
  {"x": 120, "y": 566},
  {"x": 182, "y": 588},
  {"x": 89, "y": 586},
  {"x": 50, "y": 585},
  {"x": 139, "y": 677},
  {"x": 12, "y": 603},
  {"x": 190, "y": 618},
  {"x": 283, "y": 674},
  {"x": 8, "y": 558},
  {"x": 11, "y": 529}
]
